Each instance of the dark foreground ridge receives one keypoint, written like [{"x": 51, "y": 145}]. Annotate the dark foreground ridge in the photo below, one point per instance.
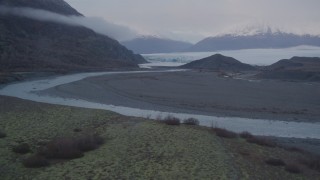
[
  {"x": 32, "y": 45},
  {"x": 219, "y": 62}
]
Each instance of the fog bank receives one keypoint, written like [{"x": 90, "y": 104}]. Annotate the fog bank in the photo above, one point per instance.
[{"x": 99, "y": 25}]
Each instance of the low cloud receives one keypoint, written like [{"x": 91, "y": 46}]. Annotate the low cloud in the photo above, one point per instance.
[
  {"x": 99, "y": 25},
  {"x": 176, "y": 18}
]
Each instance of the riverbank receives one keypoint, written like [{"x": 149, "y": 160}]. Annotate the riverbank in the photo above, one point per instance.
[
  {"x": 134, "y": 147},
  {"x": 7, "y": 78},
  {"x": 13, "y": 77}
]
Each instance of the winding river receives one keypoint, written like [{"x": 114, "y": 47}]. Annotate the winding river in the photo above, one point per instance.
[{"x": 28, "y": 90}]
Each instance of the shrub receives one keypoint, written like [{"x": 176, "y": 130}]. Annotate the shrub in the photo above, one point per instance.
[
  {"x": 2, "y": 134},
  {"x": 77, "y": 130},
  {"x": 294, "y": 149},
  {"x": 246, "y": 135},
  {"x": 244, "y": 152},
  {"x": 170, "y": 120},
  {"x": 293, "y": 168},
  {"x": 71, "y": 148},
  {"x": 312, "y": 163},
  {"x": 62, "y": 148},
  {"x": 275, "y": 162},
  {"x": 261, "y": 141},
  {"x": 88, "y": 142},
  {"x": 191, "y": 121},
  {"x": 35, "y": 161},
  {"x": 21, "y": 148},
  {"x": 225, "y": 133}
]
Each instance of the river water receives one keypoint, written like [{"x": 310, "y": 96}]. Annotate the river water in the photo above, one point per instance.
[{"x": 28, "y": 90}]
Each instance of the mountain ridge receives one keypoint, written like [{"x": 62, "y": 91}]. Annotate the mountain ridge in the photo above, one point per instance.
[
  {"x": 56, "y": 6},
  {"x": 154, "y": 44}
]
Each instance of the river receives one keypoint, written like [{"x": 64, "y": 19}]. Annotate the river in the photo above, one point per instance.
[{"x": 28, "y": 90}]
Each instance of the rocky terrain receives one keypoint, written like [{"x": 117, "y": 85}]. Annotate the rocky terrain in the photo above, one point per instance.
[{"x": 32, "y": 45}]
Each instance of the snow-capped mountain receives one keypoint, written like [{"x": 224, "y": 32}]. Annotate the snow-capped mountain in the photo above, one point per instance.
[
  {"x": 251, "y": 30},
  {"x": 253, "y": 37}
]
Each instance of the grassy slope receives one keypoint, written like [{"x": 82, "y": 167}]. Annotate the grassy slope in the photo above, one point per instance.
[{"x": 134, "y": 148}]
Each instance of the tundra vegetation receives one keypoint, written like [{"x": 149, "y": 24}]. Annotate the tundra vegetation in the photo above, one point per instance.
[{"x": 45, "y": 141}]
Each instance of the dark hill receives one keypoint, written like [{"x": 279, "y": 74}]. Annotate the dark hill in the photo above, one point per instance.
[
  {"x": 218, "y": 62},
  {"x": 31, "y": 45},
  {"x": 297, "y": 63},
  {"x": 296, "y": 68},
  {"x": 148, "y": 45}
]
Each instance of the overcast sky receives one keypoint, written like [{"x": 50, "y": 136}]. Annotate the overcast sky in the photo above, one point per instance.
[{"x": 192, "y": 20}]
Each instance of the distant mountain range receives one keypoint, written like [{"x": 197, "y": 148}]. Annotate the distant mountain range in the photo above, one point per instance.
[
  {"x": 256, "y": 40},
  {"x": 28, "y": 44},
  {"x": 152, "y": 44},
  {"x": 240, "y": 40}
]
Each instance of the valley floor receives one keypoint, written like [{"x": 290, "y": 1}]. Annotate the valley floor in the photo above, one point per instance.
[{"x": 206, "y": 93}]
